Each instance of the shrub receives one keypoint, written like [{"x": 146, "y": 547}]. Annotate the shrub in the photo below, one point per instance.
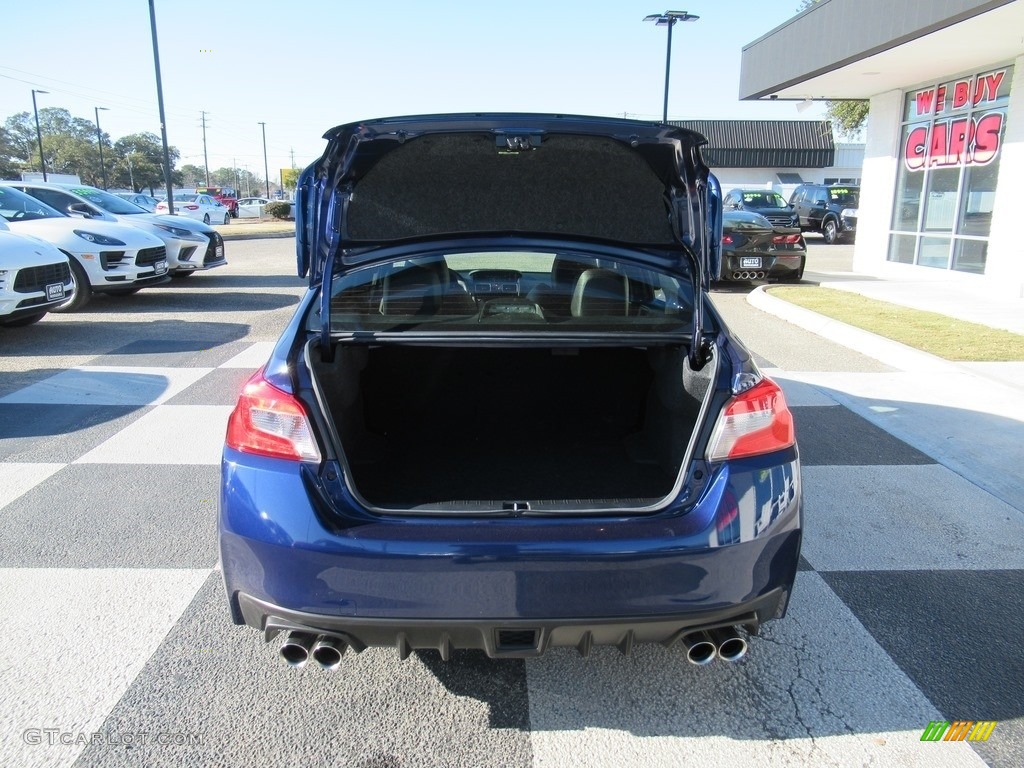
[{"x": 278, "y": 209}]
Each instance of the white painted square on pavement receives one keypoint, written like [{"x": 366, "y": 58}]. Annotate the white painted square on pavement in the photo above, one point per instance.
[
  {"x": 816, "y": 689},
  {"x": 254, "y": 357},
  {"x": 169, "y": 434},
  {"x": 16, "y": 479},
  {"x": 107, "y": 385},
  {"x": 83, "y": 636},
  {"x": 879, "y": 518}
]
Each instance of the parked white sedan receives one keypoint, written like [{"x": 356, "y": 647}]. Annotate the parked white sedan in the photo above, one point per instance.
[
  {"x": 143, "y": 201},
  {"x": 251, "y": 207},
  {"x": 199, "y": 207}
]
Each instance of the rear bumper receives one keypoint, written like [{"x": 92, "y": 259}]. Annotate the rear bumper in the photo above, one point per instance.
[
  {"x": 731, "y": 559},
  {"x": 515, "y": 638}
]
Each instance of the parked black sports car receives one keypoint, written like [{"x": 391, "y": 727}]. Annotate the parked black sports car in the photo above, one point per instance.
[{"x": 752, "y": 249}]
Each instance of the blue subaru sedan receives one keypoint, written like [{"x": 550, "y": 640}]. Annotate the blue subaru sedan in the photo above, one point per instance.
[{"x": 505, "y": 415}]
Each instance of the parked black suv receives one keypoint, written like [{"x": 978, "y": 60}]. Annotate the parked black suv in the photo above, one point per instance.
[
  {"x": 769, "y": 204},
  {"x": 828, "y": 209}
]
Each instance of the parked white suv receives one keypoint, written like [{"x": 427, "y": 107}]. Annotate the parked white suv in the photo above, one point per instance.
[
  {"x": 105, "y": 258},
  {"x": 34, "y": 278},
  {"x": 191, "y": 245}
]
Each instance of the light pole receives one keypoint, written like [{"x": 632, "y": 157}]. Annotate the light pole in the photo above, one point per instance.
[
  {"x": 266, "y": 168},
  {"x": 669, "y": 19},
  {"x": 39, "y": 133},
  {"x": 99, "y": 140},
  {"x": 160, "y": 104}
]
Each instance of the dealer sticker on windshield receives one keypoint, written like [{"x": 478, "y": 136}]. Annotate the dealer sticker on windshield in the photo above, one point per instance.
[
  {"x": 750, "y": 261},
  {"x": 55, "y": 291}
]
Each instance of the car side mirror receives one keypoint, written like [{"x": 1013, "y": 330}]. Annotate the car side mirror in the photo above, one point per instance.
[{"x": 80, "y": 209}]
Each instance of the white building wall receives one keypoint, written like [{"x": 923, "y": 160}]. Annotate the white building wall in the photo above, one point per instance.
[
  {"x": 878, "y": 183},
  {"x": 1005, "y": 265},
  {"x": 1004, "y": 272}
]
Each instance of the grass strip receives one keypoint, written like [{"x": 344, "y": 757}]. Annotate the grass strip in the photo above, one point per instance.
[{"x": 940, "y": 335}]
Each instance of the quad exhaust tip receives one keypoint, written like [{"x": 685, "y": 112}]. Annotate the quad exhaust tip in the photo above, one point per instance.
[
  {"x": 328, "y": 652},
  {"x": 299, "y": 647},
  {"x": 731, "y": 646},
  {"x": 296, "y": 647},
  {"x": 700, "y": 648},
  {"x": 744, "y": 275}
]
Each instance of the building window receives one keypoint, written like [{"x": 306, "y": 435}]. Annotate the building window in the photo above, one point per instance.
[{"x": 951, "y": 137}]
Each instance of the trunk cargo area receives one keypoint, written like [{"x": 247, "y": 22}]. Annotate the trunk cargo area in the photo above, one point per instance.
[{"x": 550, "y": 427}]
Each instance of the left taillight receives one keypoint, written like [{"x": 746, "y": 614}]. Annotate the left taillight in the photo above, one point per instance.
[
  {"x": 787, "y": 239},
  {"x": 269, "y": 422},
  {"x": 752, "y": 423}
]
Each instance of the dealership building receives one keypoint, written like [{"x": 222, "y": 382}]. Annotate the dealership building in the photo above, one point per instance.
[{"x": 944, "y": 145}]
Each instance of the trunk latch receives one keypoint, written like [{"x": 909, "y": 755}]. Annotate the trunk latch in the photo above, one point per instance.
[{"x": 515, "y": 506}]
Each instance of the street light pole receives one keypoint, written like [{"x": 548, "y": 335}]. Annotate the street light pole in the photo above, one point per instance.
[
  {"x": 39, "y": 133},
  {"x": 669, "y": 19},
  {"x": 160, "y": 103},
  {"x": 266, "y": 168},
  {"x": 99, "y": 140}
]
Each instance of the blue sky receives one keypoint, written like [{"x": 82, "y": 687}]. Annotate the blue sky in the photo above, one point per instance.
[{"x": 303, "y": 66}]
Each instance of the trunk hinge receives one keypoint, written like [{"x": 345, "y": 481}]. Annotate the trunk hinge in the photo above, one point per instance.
[
  {"x": 326, "y": 348},
  {"x": 709, "y": 208}
]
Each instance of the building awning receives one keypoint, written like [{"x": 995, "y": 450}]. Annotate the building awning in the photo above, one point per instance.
[
  {"x": 765, "y": 143},
  {"x": 856, "y": 49}
]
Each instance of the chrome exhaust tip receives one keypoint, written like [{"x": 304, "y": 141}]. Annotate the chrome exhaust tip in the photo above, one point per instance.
[
  {"x": 700, "y": 649},
  {"x": 295, "y": 648},
  {"x": 327, "y": 652},
  {"x": 731, "y": 646}
]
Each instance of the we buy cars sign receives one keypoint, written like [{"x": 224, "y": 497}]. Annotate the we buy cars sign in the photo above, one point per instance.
[{"x": 962, "y": 140}]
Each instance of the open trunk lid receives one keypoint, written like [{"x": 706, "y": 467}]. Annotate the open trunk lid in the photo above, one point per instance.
[{"x": 401, "y": 180}]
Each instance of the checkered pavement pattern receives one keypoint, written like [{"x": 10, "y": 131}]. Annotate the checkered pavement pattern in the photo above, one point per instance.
[{"x": 906, "y": 611}]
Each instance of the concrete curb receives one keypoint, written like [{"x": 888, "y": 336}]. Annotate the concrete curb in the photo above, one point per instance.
[{"x": 256, "y": 235}]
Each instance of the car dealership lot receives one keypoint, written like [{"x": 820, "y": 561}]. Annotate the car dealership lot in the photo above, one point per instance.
[{"x": 119, "y": 641}]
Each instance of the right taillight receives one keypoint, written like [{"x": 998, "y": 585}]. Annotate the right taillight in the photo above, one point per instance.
[
  {"x": 753, "y": 422},
  {"x": 269, "y": 422}
]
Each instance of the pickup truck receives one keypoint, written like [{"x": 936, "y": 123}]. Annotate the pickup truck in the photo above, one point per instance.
[{"x": 226, "y": 196}]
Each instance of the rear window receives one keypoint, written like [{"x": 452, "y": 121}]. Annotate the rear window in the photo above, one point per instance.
[
  {"x": 498, "y": 291},
  {"x": 843, "y": 196},
  {"x": 763, "y": 200}
]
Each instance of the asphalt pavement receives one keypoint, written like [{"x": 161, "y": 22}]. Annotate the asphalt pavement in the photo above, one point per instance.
[{"x": 119, "y": 649}]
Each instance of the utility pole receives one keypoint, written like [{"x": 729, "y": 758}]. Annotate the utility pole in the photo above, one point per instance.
[
  {"x": 99, "y": 141},
  {"x": 39, "y": 133},
  {"x": 291, "y": 150},
  {"x": 266, "y": 168},
  {"x": 206, "y": 162}
]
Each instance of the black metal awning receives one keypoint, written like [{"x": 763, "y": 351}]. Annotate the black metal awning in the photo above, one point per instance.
[{"x": 765, "y": 143}]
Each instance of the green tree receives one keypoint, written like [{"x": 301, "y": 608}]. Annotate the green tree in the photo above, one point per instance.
[
  {"x": 11, "y": 160},
  {"x": 69, "y": 142},
  {"x": 225, "y": 177},
  {"x": 138, "y": 162},
  {"x": 848, "y": 116},
  {"x": 290, "y": 177},
  {"x": 192, "y": 175}
]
